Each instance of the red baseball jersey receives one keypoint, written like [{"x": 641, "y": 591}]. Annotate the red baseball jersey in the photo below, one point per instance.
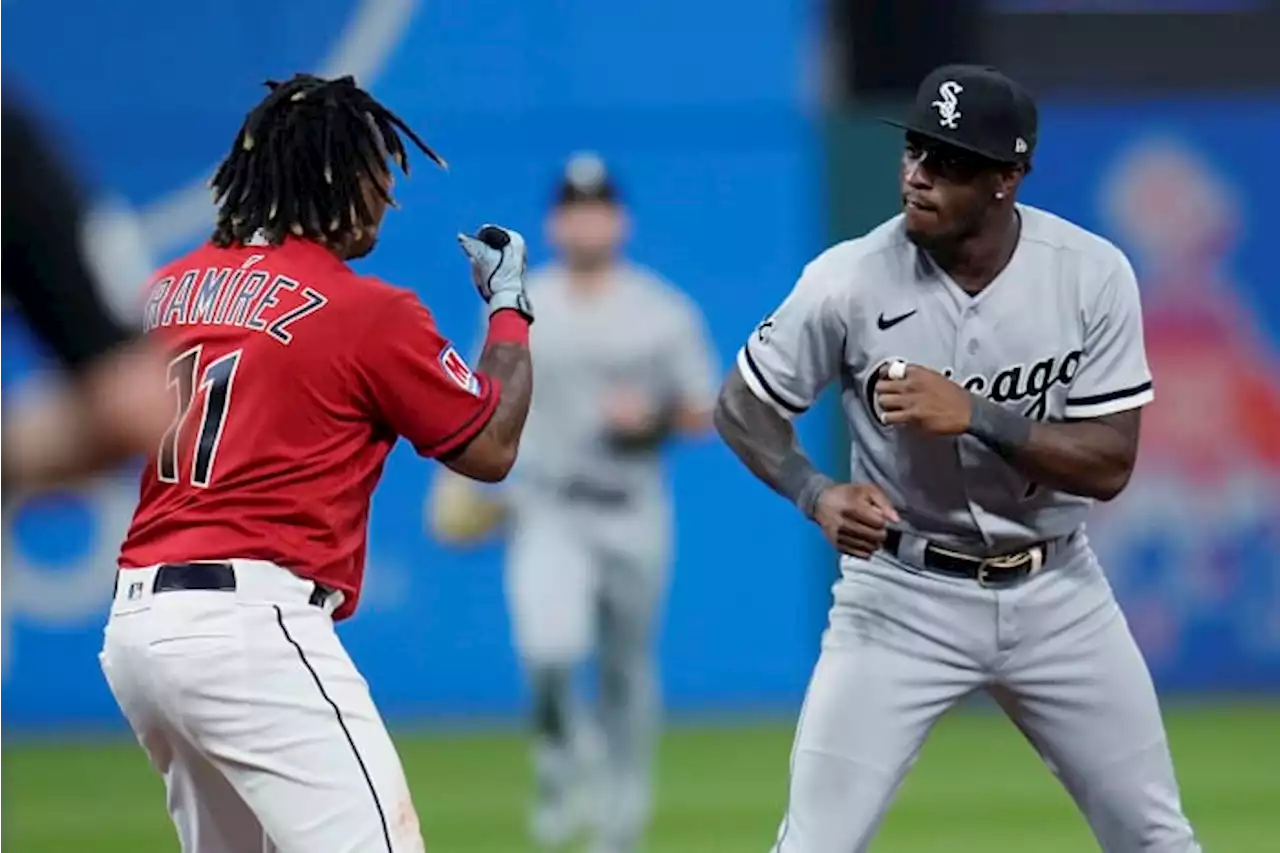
[{"x": 292, "y": 378}]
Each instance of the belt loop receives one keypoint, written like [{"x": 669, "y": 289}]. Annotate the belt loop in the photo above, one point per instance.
[
  {"x": 331, "y": 602},
  {"x": 912, "y": 549}
]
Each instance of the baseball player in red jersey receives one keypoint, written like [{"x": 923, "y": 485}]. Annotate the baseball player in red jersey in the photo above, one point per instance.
[{"x": 292, "y": 378}]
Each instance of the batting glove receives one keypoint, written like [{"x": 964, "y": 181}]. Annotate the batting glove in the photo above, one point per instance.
[{"x": 498, "y": 259}]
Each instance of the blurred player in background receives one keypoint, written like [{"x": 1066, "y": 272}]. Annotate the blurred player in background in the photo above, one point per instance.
[
  {"x": 114, "y": 404},
  {"x": 294, "y": 377},
  {"x": 623, "y": 366}
]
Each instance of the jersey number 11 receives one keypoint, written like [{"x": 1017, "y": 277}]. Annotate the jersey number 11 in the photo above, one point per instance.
[{"x": 216, "y": 384}]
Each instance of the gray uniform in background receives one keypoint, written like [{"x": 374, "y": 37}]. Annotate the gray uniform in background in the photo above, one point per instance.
[
  {"x": 591, "y": 521},
  {"x": 1058, "y": 334}
]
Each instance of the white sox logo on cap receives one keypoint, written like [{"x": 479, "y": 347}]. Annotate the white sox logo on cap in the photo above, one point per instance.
[{"x": 947, "y": 105}]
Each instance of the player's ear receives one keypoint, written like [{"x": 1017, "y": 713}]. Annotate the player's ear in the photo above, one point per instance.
[{"x": 1007, "y": 182}]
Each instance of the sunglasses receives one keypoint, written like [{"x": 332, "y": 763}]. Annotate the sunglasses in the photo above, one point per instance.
[{"x": 947, "y": 161}]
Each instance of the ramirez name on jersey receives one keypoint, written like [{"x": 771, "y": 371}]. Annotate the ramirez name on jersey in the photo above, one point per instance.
[{"x": 221, "y": 296}]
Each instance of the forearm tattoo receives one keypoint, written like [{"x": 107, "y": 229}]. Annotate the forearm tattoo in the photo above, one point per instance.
[
  {"x": 509, "y": 363},
  {"x": 766, "y": 443}
]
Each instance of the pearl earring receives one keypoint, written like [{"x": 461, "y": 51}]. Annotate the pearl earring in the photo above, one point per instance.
[{"x": 999, "y": 195}]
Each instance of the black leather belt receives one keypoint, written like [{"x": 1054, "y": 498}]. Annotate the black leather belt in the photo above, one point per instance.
[
  {"x": 211, "y": 577},
  {"x": 1002, "y": 570}
]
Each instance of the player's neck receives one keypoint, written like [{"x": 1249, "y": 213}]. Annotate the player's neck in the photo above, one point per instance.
[
  {"x": 976, "y": 261},
  {"x": 338, "y": 251},
  {"x": 591, "y": 278}
]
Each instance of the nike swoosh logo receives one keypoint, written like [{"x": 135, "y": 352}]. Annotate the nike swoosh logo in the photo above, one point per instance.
[{"x": 883, "y": 324}]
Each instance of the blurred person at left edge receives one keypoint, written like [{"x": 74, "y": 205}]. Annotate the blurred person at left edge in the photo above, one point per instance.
[{"x": 113, "y": 403}]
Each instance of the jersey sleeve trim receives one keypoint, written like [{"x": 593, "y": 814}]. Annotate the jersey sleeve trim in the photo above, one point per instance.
[
  {"x": 760, "y": 386},
  {"x": 1100, "y": 405},
  {"x": 469, "y": 428}
]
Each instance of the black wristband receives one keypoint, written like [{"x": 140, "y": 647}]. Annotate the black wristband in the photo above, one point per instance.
[
  {"x": 998, "y": 428},
  {"x": 803, "y": 484}
]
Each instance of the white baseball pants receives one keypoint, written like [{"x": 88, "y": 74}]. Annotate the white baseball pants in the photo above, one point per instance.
[
  {"x": 904, "y": 646},
  {"x": 250, "y": 708}
]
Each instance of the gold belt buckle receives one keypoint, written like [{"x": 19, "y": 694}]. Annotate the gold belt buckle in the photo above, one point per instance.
[{"x": 1034, "y": 555}]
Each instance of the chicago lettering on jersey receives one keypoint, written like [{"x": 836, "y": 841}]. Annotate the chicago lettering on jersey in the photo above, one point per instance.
[
  {"x": 1013, "y": 384},
  {"x": 255, "y": 299}
]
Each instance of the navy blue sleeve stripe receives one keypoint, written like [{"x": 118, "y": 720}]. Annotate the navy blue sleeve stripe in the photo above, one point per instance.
[
  {"x": 755, "y": 370},
  {"x": 1108, "y": 397}
]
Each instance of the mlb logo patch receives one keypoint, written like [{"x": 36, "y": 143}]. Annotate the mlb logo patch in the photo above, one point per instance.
[
  {"x": 457, "y": 370},
  {"x": 135, "y": 591}
]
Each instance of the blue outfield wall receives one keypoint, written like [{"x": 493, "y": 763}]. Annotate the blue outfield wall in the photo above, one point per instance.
[
  {"x": 706, "y": 126},
  {"x": 721, "y": 169},
  {"x": 1193, "y": 546}
]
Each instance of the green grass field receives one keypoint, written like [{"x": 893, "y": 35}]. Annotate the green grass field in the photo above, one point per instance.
[{"x": 978, "y": 787}]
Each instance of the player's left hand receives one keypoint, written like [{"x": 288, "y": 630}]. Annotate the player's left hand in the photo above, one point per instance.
[
  {"x": 629, "y": 412},
  {"x": 924, "y": 399},
  {"x": 458, "y": 511},
  {"x": 498, "y": 262}
]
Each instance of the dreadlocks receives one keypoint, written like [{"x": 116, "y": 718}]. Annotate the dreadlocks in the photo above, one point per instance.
[{"x": 302, "y": 160}]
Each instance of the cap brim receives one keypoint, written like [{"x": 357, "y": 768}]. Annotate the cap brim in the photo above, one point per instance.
[{"x": 939, "y": 136}]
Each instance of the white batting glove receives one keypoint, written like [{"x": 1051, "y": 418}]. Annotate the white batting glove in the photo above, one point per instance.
[{"x": 498, "y": 260}]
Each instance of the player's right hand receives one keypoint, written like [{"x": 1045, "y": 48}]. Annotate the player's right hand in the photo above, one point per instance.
[
  {"x": 498, "y": 259},
  {"x": 853, "y": 517}
]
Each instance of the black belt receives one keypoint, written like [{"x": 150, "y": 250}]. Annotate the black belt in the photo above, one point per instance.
[
  {"x": 211, "y": 577},
  {"x": 584, "y": 491},
  {"x": 1002, "y": 570}
]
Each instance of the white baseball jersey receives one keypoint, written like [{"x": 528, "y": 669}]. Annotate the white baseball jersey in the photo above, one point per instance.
[{"x": 1057, "y": 335}]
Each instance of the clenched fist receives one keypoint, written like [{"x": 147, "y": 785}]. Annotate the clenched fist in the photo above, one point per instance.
[
  {"x": 853, "y": 517},
  {"x": 924, "y": 399},
  {"x": 498, "y": 260}
]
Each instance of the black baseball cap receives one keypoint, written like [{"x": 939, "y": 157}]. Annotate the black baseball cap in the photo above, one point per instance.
[
  {"x": 976, "y": 108},
  {"x": 586, "y": 178}
]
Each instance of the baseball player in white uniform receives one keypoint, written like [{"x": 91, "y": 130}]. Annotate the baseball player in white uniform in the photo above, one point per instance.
[
  {"x": 624, "y": 366},
  {"x": 992, "y": 370}
]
